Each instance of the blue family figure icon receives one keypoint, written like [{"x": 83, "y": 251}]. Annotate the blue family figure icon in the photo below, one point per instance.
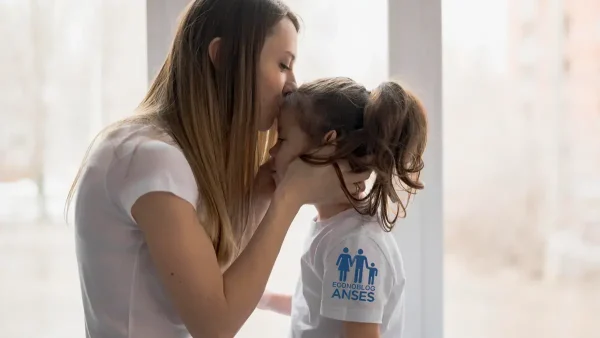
[
  {"x": 360, "y": 261},
  {"x": 344, "y": 263},
  {"x": 372, "y": 274}
]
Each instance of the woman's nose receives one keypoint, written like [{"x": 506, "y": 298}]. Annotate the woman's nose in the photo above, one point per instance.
[{"x": 290, "y": 86}]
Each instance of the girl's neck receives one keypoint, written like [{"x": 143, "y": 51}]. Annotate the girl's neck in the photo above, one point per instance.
[{"x": 326, "y": 211}]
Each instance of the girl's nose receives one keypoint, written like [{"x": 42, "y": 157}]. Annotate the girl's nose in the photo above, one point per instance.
[{"x": 273, "y": 150}]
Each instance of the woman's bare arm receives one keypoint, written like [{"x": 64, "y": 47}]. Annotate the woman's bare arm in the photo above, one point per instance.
[
  {"x": 264, "y": 187},
  {"x": 210, "y": 303}
]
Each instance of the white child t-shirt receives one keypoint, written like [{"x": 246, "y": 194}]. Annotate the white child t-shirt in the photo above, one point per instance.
[
  {"x": 121, "y": 291},
  {"x": 351, "y": 271}
]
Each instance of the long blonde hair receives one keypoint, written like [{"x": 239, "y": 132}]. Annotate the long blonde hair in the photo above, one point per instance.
[{"x": 211, "y": 112}]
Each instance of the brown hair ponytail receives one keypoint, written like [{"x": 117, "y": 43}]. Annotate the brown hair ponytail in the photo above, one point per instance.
[{"x": 395, "y": 126}]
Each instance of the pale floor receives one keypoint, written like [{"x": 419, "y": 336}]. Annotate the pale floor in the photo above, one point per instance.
[{"x": 39, "y": 294}]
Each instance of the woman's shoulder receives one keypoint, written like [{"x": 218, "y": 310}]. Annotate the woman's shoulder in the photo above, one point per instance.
[
  {"x": 144, "y": 149},
  {"x": 134, "y": 140},
  {"x": 145, "y": 161}
]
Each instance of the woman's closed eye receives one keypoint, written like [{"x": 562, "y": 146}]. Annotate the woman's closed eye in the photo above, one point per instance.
[{"x": 284, "y": 66}]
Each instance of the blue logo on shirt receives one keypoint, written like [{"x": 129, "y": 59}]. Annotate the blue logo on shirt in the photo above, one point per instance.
[{"x": 357, "y": 290}]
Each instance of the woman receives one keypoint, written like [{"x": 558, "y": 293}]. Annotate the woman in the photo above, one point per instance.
[{"x": 167, "y": 199}]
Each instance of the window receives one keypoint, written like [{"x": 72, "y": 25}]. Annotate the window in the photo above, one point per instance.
[
  {"x": 528, "y": 51},
  {"x": 566, "y": 66},
  {"x": 527, "y": 89},
  {"x": 63, "y": 67},
  {"x": 527, "y": 109},
  {"x": 499, "y": 247},
  {"x": 527, "y": 71},
  {"x": 567, "y": 25},
  {"x": 527, "y": 29},
  {"x": 528, "y": 9}
]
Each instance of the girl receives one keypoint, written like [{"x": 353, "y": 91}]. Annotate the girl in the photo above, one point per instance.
[
  {"x": 168, "y": 199},
  {"x": 352, "y": 279}
]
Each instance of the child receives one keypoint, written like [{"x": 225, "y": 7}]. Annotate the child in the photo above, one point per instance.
[{"x": 352, "y": 278}]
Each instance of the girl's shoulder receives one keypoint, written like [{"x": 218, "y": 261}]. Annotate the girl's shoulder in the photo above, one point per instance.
[{"x": 365, "y": 233}]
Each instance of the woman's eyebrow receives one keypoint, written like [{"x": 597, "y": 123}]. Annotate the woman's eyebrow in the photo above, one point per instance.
[{"x": 292, "y": 55}]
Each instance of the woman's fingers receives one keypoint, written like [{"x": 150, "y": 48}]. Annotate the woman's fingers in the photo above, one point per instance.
[
  {"x": 355, "y": 182},
  {"x": 358, "y": 177},
  {"x": 356, "y": 188},
  {"x": 353, "y": 177}
]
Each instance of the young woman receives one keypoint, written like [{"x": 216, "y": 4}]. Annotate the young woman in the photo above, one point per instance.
[
  {"x": 167, "y": 201},
  {"x": 352, "y": 277}
]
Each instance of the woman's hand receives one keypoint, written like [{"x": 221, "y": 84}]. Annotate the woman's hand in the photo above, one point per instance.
[
  {"x": 312, "y": 184},
  {"x": 264, "y": 185},
  {"x": 263, "y": 189},
  {"x": 276, "y": 302}
]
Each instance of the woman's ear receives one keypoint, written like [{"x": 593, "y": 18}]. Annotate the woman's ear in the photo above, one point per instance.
[
  {"x": 330, "y": 137},
  {"x": 213, "y": 50}
]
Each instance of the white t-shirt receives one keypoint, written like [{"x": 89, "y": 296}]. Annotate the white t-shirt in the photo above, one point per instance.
[
  {"x": 351, "y": 271},
  {"x": 122, "y": 294}
]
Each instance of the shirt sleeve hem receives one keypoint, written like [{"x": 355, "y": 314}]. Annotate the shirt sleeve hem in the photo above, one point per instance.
[
  {"x": 130, "y": 197},
  {"x": 353, "y": 315}
]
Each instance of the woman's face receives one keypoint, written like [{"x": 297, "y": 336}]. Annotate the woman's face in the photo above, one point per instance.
[
  {"x": 275, "y": 71},
  {"x": 291, "y": 143}
]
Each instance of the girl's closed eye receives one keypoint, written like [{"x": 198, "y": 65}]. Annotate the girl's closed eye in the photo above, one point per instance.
[{"x": 284, "y": 66}]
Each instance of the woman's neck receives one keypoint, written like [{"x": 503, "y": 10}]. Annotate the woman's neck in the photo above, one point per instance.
[{"x": 326, "y": 211}]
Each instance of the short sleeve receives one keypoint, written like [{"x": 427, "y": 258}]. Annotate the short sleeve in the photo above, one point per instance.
[
  {"x": 357, "y": 280},
  {"x": 153, "y": 166}
]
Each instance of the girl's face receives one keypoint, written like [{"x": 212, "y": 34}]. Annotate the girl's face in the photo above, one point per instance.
[
  {"x": 275, "y": 71},
  {"x": 291, "y": 143}
]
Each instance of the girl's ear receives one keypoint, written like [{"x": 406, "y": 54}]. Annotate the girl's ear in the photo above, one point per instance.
[{"x": 330, "y": 137}]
